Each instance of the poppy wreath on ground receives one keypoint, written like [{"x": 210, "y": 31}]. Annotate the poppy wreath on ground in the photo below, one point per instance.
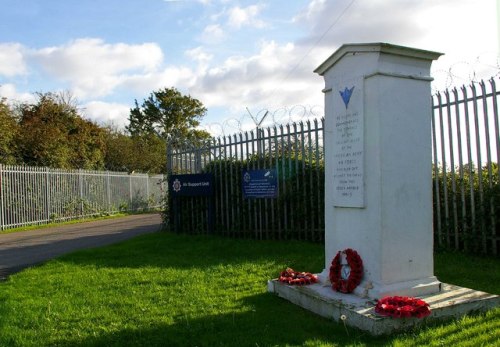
[
  {"x": 402, "y": 307},
  {"x": 351, "y": 279},
  {"x": 290, "y": 276}
]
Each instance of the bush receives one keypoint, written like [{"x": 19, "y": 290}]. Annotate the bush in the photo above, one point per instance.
[{"x": 297, "y": 213}]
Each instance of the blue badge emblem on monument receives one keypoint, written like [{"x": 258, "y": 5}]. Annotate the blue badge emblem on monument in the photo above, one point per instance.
[{"x": 346, "y": 95}]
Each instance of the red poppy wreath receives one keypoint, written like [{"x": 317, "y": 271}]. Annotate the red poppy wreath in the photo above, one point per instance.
[
  {"x": 346, "y": 277},
  {"x": 402, "y": 307},
  {"x": 291, "y": 276}
]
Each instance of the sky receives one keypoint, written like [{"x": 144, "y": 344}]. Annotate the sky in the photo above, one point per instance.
[{"x": 239, "y": 58}]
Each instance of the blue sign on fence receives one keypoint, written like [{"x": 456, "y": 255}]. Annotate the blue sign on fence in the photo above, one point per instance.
[
  {"x": 260, "y": 184},
  {"x": 191, "y": 185}
]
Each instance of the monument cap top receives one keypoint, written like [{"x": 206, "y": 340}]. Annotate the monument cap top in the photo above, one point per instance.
[{"x": 377, "y": 47}]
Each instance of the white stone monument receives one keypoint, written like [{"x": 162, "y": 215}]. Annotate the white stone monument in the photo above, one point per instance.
[
  {"x": 378, "y": 190},
  {"x": 378, "y": 165}
]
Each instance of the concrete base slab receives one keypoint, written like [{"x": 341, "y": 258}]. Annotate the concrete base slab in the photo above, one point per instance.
[{"x": 451, "y": 302}]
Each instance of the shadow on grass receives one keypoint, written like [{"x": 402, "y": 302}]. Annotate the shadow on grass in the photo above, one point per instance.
[
  {"x": 266, "y": 320},
  {"x": 163, "y": 249},
  {"x": 257, "y": 318},
  {"x": 270, "y": 321}
]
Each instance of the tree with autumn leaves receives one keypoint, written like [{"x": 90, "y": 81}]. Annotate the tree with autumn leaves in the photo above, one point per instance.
[
  {"x": 8, "y": 134},
  {"x": 51, "y": 132}
]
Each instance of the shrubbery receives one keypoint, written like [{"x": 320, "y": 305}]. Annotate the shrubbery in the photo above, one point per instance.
[
  {"x": 469, "y": 211},
  {"x": 466, "y": 210},
  {"x": 297, "y": 213}
]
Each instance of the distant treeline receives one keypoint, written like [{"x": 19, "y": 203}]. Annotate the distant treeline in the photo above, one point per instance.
[{"x": 51, "y": 132}]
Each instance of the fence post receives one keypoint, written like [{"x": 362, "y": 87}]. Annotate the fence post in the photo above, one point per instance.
[
  {"x": 197, "y": 160},
  {"x": 147, "y": 190},
  {"x": 130, "y": 189},
  {"x": 168, "y": 163},
  {"x": 47, "y": 193},
  {"x": 1, "y": 199},
  {"x": 80, "y": 180},
  {"x": 108, "y": 191}
]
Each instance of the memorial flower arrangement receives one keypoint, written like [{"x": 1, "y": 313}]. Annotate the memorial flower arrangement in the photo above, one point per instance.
[
  {"x": 402, "y": 307},
  {"x": 346, "y": 277},
  {"x": 290, "y": 276}
]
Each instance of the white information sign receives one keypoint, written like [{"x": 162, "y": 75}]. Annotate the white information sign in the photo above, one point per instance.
[{"x": 348, "y": 148}]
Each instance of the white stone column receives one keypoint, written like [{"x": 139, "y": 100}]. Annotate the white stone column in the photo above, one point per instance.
[{"x": 378, "y": 184}]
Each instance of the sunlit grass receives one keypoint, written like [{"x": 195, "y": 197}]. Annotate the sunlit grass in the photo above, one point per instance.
[{"x": 178, "y": 290}]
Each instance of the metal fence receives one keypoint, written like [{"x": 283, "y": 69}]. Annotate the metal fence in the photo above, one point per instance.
[
  {"x": 295, "y": 151},
  {"x": 466, "y": 145},
  {"x": 466, "y": 153},
  {"x": 35, "y": 195}
]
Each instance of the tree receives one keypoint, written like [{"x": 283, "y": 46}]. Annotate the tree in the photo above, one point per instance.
[
  {"x": 119, "y": 150},
  {"x": 53, "y": 134},
  {"x": 144, "y": 153},
  {"x": 8, "y": 132},
  {"x": 169, "y": 114},
  {"x": 87, "y": 143}
]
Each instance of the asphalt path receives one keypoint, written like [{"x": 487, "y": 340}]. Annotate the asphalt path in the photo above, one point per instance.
[{"x": 24, "y": 249}]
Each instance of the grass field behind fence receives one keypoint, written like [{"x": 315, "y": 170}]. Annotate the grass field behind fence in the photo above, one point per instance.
[{"x": 164, "y": 289}]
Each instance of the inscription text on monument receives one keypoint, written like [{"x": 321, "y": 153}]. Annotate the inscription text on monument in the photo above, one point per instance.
[{"x": 348, "y": 149}]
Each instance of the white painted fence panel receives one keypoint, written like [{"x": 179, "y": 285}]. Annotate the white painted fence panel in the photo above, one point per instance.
[{"x": 35, "y": 195}]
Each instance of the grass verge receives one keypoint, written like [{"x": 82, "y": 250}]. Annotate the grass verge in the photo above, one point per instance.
[
  {"x": 179, "y": 290},
  {"x": 73, "y": 221}
]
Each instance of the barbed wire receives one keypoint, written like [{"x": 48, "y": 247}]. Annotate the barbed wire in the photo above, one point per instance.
[
  {"x": 264, "y": 118},
  {"x": 462, "y": 73},
  {"x": 484, "y": 66}
]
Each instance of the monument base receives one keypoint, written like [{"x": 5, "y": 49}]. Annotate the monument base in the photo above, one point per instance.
[
  {"x": 451, "y": 302},
  {"x": 417, "y": 288},
  {"x": 368, "y": 289}
]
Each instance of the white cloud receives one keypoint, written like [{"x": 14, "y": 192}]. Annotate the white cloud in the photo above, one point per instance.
[
  {"x": 455, "y": 27},
  {"x": 10, "y": 92},
  {"x": 173, "y": 76},
  {"x": 282, "y": 74},
  {"x": 238, "y": 17},
  {"x": 277, "y": 74},
  {"x": 12, "y": 61},
  {"x": 94, "y": 68},
  {"x": 107, "y": 113},
  {"x": 199, "y": 54},
  {"x": 212, "y": 34},
  {"x": 259, "y": 81},
  {"x": 347, "y": 21}
]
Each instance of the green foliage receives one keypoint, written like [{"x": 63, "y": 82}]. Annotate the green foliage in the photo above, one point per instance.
[
  {"x": 52, "y": 134},
  {"x": 468, "y": 203},
  {"x": 8, "y": 133},
  {"x": 169, "y": 114},
  {"x": 297, "y": 213},
  {"x": 119, "y": 151},
  {"x": 140, "y": 153},
  {"x": 468, "y": 270},
  {"x": 163, "y": 289}
]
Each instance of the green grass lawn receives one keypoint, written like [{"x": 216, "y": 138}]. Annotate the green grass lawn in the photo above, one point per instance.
[{"x": 164, "y": 289}]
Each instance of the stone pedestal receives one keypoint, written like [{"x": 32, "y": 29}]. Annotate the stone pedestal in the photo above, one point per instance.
[
  {"x": 378, "y": 184},
  {"x": 378, "y": 190}
]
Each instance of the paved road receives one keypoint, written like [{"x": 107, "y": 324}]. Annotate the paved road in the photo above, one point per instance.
[{"x": 23, "y": 249}]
